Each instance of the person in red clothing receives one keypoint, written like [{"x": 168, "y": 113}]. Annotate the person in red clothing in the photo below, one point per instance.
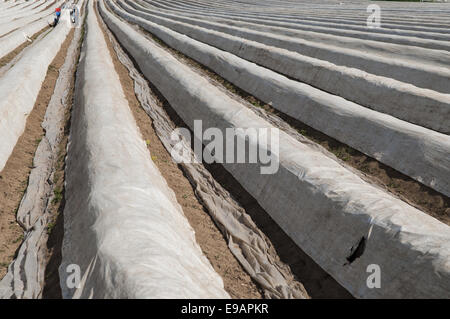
[{"x": 57, "y": 16}]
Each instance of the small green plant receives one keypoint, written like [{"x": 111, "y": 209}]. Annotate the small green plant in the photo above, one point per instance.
[
  {"x": 392, "y": 185},
  {"x": 50, "y": 227},
  {"x": 58, "y": 195},
  {"x": 341, "y": 153}
]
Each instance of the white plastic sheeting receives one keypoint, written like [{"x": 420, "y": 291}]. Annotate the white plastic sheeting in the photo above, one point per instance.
[
  {"x": 20, "y": 86},
  {"x": 392, "y": 141},
  {"x": 300, "y": 15},
  {"x": 6, "y": 27},
  {"x": 26, "y": 274},
  {"x": 245, "y": 240},
  {"x": 325, "y": 208},
  {"x": 419, "y": 66},
  {"x": 11, "y": 41},
  {"x": 301, "y": 24},
  {"x": 123, "y": 226},
  {"x": 20, "y": 7},
  {"x": 405, "y": 101},
  {"x": 4, "y": 5},
  {"x": 25, "y": 12}
]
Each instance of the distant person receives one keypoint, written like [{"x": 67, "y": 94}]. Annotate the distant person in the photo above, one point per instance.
[
  {"x": 57, "y": 16},
  {"x": 72, "y": 15}
]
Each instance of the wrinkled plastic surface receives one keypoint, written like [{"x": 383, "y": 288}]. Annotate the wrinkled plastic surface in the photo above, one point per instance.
[
  {"x": 392, "y": 141},
  {"x": 20, "y": 86},
  {"x": 123, "y": 225},
  {"x": 405, "y": 101},
  {"x": 325, "y": 208},
  {"x": 246, "y": 241}
]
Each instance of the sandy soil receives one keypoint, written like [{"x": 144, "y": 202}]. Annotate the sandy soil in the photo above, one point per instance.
[
  {"x": 14, "y": 176},
  {"x": 237, "y": 282}
]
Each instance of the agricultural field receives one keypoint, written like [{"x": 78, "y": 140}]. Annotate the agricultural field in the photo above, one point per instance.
[{"x": 216, "y": 149}]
